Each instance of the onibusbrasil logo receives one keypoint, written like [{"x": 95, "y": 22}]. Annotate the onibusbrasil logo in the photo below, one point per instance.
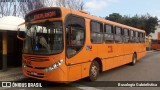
[{"x": 18, "y": 84}]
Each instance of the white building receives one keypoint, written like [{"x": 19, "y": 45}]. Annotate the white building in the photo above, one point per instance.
[
  {"x": 155, "y": 35},
  {"x": 10, "y": 23},
  {"x": 10, "y": 46}
]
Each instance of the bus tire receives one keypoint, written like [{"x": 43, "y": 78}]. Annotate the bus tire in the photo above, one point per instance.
[
  {"x": 94, "y": 71},
  {"x": 134, "y": 59}
]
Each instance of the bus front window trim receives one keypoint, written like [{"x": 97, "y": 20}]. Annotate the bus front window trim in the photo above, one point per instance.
[{"x": 44, "y": 38}]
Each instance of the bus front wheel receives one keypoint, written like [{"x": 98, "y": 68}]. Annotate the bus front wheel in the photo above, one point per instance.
[{"x": 94, "y": 71}]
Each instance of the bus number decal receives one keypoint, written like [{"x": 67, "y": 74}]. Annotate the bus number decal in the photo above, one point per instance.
[
  {"x": 88, "y": 47},
  {"x": 110, "y": 49}
]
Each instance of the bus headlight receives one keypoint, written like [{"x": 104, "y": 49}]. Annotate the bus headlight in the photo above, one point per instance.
[
  {"x": 54, "y": 66},
  {"x": 24, "y": 65}
]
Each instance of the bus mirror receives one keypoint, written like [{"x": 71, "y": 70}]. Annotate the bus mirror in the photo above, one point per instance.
[
  {"x": 70, "y": 30},
  {"x": 20, "y": 35}
]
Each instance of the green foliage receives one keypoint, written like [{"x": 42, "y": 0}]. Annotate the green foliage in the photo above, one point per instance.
[
  {"x": 145, "y": 22},
  {"x": 114, "y": 17}
]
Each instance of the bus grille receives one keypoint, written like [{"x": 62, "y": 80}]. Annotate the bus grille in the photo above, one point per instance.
[
  {"x": 36, "y": 58},
  {"x": 39, "y": 75}
]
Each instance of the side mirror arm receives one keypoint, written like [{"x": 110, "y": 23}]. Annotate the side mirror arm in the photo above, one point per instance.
[{"x": 20, "y": 38}]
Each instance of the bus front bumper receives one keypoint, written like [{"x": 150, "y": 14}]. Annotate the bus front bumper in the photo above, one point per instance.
[{"x": 56, "y": 75}]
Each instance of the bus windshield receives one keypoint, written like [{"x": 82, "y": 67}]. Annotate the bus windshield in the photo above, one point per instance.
[{"x": 44, "y": 38}]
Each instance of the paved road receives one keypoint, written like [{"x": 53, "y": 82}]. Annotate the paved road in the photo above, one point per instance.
[{"x": 147, "y": 69}]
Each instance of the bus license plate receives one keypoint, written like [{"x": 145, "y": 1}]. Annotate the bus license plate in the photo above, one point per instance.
[{"x": 34, "y": 73}]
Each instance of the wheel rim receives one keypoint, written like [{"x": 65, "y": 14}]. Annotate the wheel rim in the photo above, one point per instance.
[
  {"x": 94, "y": 71},
  {"x": 134, "y": 60}
]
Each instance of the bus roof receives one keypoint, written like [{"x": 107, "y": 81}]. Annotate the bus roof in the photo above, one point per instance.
[
  {"x": 86, "y": 15},
  {"x": 98, "y": 19}
]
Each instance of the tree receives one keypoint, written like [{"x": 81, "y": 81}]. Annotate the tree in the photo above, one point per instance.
[
  {"x": 20, "y": 9},
  {"x": 116, "y": 17},
  {"x": 150, "y": 25},
  {"x": 30, "y": 5},
  {"x": 72, "y": 4},
  {"x": 17, "y": 8},
  {"x": 9, "y": 9},
  {"x": 144, "y": 22}
]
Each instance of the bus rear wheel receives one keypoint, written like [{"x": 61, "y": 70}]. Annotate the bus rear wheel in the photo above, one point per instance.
[
  {"x": 134, "y": 59},
  {"x": 94, "y": 71}
]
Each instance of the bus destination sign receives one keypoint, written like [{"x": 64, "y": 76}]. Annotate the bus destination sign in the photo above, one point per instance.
[{"x": 43, "y": 14}]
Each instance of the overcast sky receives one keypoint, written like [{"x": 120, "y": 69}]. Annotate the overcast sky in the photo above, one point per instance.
[{"x": 124, "y": 7}]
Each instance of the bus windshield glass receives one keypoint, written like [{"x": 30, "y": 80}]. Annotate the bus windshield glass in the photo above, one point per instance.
[{"x": 44, "y": 38}]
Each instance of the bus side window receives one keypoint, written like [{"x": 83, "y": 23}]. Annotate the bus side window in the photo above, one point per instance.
[
  {"x": 108, "y": 34},
  {"x": 140, "y": 37},
  {"x": 118, "y": 35},
  {"x": 136, "y": 37},
  {"x": 126, "y": 36},
  {"x": 75, "y": 34},
  {"x": 96, "y": 32},
  {"x": 132, "y": 36}
]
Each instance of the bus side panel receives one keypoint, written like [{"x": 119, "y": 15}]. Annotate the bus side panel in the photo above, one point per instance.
[
  {"x": 112, "y": 54},
  {"x": 108, "y": 64},
  {"x": 142, "y": 51},
  {"x": 128, "y": 53},
  {"x": 85, "y": 69},
  {"x": 74, "y": 72},
  {"x": 120, "y": 54},
  {"x": 107, "y": 53},
  {"x": 118, "y": 61},
  {"x": 155, "y": 46},
  {"x": 111, "y": 63},
  {"x": 140, "y": 47},
  {"x": 140, "y": 55},
  {"x": 127, "y": 58},
  {"x": 158, "y": 46}
]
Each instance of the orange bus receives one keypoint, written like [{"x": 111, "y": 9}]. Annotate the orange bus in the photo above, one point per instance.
[
  {"x": 67, "y": 45},
  {"x": 155, "y": 44}
]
